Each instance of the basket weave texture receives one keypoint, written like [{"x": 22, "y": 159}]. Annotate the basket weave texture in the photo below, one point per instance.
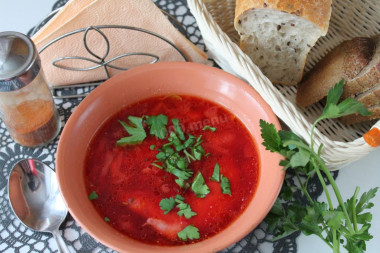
[{"x": 350, "y": 18}]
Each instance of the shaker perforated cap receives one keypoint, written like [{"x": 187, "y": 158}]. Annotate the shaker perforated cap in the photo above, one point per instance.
[{"x": 19, "y": 61}]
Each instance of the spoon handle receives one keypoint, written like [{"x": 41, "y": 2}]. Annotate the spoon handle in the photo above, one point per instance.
[{"x": 62, "y": 248}]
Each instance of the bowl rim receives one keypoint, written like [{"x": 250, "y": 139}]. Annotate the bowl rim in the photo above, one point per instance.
[{"x": 174, "y": 67}]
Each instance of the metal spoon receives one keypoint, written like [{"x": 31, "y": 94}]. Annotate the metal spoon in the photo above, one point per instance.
[{"x": 36, "y": 200}]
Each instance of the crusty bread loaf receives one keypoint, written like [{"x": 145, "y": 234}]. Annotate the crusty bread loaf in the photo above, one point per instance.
[
  {"x": 358, "y": 62},
  {"x": 278, "y": 35}
]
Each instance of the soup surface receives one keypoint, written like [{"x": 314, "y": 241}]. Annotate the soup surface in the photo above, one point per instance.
[{"x": 135, "y": 189}]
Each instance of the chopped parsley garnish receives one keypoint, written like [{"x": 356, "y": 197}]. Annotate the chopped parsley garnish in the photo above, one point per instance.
[
  {"x": 157, "y": 125},
  {"x": 174, "y": 157},
  {"x": 93, "y": 195},
  {"x": 167, "y": 204},
  {"x": 189, "y": 232},
  {"x": 215, "y": 174},
  {"x": 178, "y": 129},
  {"x": 225, "y": 185},
  {"x": 199, "y": 186},
  {"x": 184, "y": 209},
  {"x": 135, "y": 129},
  {"x": 106, "y": 219},
  {"x": 212, "y": 129}
]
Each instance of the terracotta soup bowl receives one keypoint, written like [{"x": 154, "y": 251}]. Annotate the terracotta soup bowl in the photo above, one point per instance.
[{"x": 164, "y": 79}]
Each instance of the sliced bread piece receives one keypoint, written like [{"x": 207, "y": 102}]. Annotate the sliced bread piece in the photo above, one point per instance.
[
  {"x": 346, "y": 61},
  {"x": 369, "y": 76},
  {"x": 370, "y": 97},
  {"x": 278, "y": 35}
]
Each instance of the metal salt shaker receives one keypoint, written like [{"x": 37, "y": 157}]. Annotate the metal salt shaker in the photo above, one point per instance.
[{"x": 26, "y": 104}]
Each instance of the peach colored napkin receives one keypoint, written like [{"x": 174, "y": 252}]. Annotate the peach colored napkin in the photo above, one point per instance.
[{"x": 78, "y": 14}]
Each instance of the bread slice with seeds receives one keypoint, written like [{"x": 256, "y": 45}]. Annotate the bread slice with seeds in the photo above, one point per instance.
[
  {"x": 357, "y": 61},
  {"x": 345, "y": 61},
  {"x": 278, "y": 35}
]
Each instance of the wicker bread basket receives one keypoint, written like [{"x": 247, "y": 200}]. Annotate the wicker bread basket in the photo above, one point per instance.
[{"x": 351, "y": 18}]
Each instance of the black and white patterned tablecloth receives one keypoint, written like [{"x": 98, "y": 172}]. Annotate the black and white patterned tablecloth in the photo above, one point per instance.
[{"x": 14, "y": 237}]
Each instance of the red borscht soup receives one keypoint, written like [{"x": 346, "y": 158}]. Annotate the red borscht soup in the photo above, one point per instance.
[{"x": 171, "y": 170}]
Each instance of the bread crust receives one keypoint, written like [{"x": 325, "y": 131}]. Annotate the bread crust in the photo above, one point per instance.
[
  {"x": 316, "y": 11},
  {"x": 344, "y": 61}
]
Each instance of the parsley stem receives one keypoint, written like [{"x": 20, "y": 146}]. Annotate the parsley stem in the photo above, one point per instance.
[
  {"x": 331, "y": 207},
  {"x": 336, "y": 191},
  {"x": 303, "y": 188},
  {"x": 335, "y": 242},
  {"x": 329, "y": 177},
  {"x": 319, "y": 160},
  {"x": 324, "y": 186},
  {"x": 354, "y": 209},
  {"x": 188, "y": 156}
]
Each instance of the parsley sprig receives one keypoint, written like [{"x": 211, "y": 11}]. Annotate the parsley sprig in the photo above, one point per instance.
[
  {"x": 346, "y": 224},
  {"x": 189, "y": 232},
  {"x": 184, "y": 209},
  {"x": 135, "y": 130}
]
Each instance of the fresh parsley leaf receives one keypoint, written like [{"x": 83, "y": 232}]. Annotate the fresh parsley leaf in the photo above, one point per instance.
[
  {"x": 364, "y": 201},
  {"x": 335, "y": 93},
  {"x": 199, "y": 186},
  {"x": 287, "y": 136},
  {"x": 185, "y": 210},
  {"x": 106, "y": 219},
  {"x": 179, "y": 198},
  {"x": 286, "y": 191},
  {"x": 212, "y": 129},
  {"x": 189, "y": 232},
  {"x": 346, "y": 107},
  {"x": 272, "y": 140},
  {"x": 178, "y": 129},
  {"x": 175, "y": 141},
  {"x": 215, "y": 174},
  {"x": 350, "y": 106},
  {"x": 135, "y": 129},
  {"x": 152, "y": 147},
  {"x": 198, "y": 152},
  {"x": 334, "y": 219},
  {"x": 93, "y": 195},
  {"x": 225, "y": 185},
  {"x": 190, "y": 141},
  {"x": 275, "y": 216},
  {"x": 313, "y": 217},
  {"x": 300, "y": 159},
  {"x": 180, "y": 182},
  {"x": 167, "y": 204},
  {"x": 157, "y": 125}
]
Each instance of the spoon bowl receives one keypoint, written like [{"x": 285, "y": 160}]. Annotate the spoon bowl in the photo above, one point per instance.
[{"x": 36, "y": 200}]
